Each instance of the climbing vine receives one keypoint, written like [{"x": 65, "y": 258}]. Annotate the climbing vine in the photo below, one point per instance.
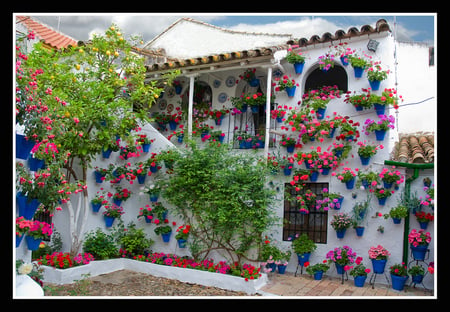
[{"x": 224, "y": 197}]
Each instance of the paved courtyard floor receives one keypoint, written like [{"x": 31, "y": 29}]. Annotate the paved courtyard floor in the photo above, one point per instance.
[{"x": 304, "y": 285}]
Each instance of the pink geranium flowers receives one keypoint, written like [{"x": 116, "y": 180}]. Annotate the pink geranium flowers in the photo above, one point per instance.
[
  {"x": 419, "y": 238},
  {"x": 378, "y": 253}
]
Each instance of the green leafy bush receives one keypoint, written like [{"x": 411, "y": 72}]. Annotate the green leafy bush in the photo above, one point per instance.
[{"x": 100, "y": 245}]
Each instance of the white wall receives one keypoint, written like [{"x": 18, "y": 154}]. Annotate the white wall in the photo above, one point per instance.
[{"x": 417, "y": 81}]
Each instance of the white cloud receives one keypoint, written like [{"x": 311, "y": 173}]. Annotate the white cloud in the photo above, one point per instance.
[{"x": 304, "y": 27}]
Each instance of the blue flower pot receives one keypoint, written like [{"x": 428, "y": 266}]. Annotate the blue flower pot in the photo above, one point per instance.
[
  {"x": 107, "y": 153},
  {"x": 98, "y": 176},
  {"x": 419, "y": 252},
  {"x": 148, "y": 219},
  {"x": 33, "y": 243},
  {"x": 166, "y": 237},
  {"x": 181, "y": 243},
  {"x": 318, "y": 275},
  {"x": 35, "y": 164},
  {"x": 290, "y": 149},
  {"x": 27, "y": 207},
  {"x": 290, "y": 91},
  {"x": 109, "y": 221},
  {"x": 298, "y": 67},
  {"x": 282, "y": 268},
  {"x": 359, "y": 231},
  {"x": 154, "y": 169},
  {"x": 23, "y": 146},
  {"x": 380, "y": 134},
  {"x": 417, "y": 279},
  {"x": 302, "y": 258},
  {"x": 423, "y": 225},
  {"x": 254, "y": 108},
  {"x": 19, "y": 239},
  {"x": 339, "y": 268},
  {"x": 350, "y": 184},
  {"x": 398, "y": 282},
  {"x": 96, "y": 207},
  {"x": 172, "y": 125},
  {"x": 314, "y": 176},
  {"x": 340, "y": 233},
  {"x": 397, "y": 220},
  {"x": 359, "y": 280},
  {"x": 146, "y": 147},
  {"x": 180, "y": 138},
  {"x": 272, "y": 266},
  {"x": 154, "y": 198},
  {"x": 254, "y": 82},
  {"x": 287, "y": 171},
  {"x": 387, "y": 185},
  {"x": 379, "y": 108},
  {"x": 141, "y": 178},
  {"x": 382, "y": 201},
  {"x": 378, "y": 266},
  {"x": 344, "y": 60},
  {"x": 364, "y": 160},
  {"x": 320, "y": 113},
  {"x": 358, "y": 71},
  {"x": 375, "y": 84},
  {"x": 325, "y": 171}
]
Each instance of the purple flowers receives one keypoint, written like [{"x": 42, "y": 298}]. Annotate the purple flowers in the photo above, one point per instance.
[
  {"x": 342, "y": 255},
  {"x": 384, "y": 123}
]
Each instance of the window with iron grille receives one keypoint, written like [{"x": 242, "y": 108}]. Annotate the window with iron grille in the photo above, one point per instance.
[{"x": 314, "y": 224}]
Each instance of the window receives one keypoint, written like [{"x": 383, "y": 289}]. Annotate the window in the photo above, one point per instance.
[
  {"x": 314, "y": 224},
  {"x": 335, "y": 76}
]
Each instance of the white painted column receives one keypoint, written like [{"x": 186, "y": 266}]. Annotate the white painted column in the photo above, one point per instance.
[
  {"x": 190, "y": 105},
  {"x": 268, "y": 97}
]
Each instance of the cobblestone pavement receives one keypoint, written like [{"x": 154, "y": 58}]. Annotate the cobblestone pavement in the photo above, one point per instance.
[{"x": 304, "y": 285}]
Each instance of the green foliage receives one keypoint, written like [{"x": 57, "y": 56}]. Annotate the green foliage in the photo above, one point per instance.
[
  {"x": 135, "y": 241},
  {"x": 223, "y": 197},
  {"x": 303, "y": 244},
  {"x": 100, "y": 245}
]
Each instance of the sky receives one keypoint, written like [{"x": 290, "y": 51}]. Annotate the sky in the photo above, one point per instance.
[{"x": 409, "y": 27}]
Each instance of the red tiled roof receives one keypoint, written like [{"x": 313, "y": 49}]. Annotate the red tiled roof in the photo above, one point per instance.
[
  {"x": 416, "y": 148},
  {"x": 46, "y": 33}
]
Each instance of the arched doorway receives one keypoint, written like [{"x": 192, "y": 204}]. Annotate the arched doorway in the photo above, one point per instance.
[{"x": 335, "y": 76}]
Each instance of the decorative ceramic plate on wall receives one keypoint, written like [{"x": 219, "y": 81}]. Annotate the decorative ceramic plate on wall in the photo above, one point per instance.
[
  {"x": 222, "y": 97},
  {"x": 230, "y": 81}
]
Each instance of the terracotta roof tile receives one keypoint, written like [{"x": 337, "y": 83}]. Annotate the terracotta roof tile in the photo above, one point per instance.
[
  {"x": 416, "y": 148},
  {"x": 46, "y": 33}
]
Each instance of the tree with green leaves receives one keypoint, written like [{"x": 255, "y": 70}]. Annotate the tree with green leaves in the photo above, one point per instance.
[{"x": 78, "y": 100}]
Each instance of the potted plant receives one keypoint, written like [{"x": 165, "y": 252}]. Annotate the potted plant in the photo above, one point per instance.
[
  {"x": 359, "y": 211},
  {"x": 97, "y": 202},
  {"x": 416, "y": 272},
  {"x": 379, "y": 127},
  {"x": 340, "y": 223},
  {"x": 218, "y": 115},
  {"x": 423, "y": 219},
  {"x": 278, "y": 113},
  {"x": 347, "y": 176},
  {"x": 289, "y": 143},
  {"x": 121, "y": 194},
  {"x": 359, "y": 64},
  {"x": 146, "y": 213},
  {"x": 303, "y": 246},
  {"x": 366, "y": 151},
  {"x": 359, "y": 273},
  {"x": 286, "y": 83},
  {"x": 387, "y": 97},
  {"x": 378, "y": 255},
  {"x": 38, "y": 231},
  {"x": 375, "y": 74},
  {"x": 269, "y": 253},
  {"x": 342, "y": 257},
  {"x": 391, "y": 176},
  {"x": 145, "y": 142},
  {"x": 317, "y": 269},
  {"x": 397, "y": 213},
  {"x": 153, "y": 191},
  {"x": 249, "y": 75},
  {"x": 382, "y": 194},
  {"x": 111, "y": 213},
  {"x": 399, "y": 276},
  {"x": 348, "y": 130},
  {"x": 326, "y": 62},
  {"x": 165, "y": 231},
  {"x": 182, "y": 235},
  {"x": 367, "y": 179},
  {"x": 282, "y": 261},
  {"x": 296, "y": 59},
  {"x": 359, "y": 101},
  {"x": 22, "y": 226},
  {"x": 419, "y": 241},
  {"x": 334, "y": 199}
]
